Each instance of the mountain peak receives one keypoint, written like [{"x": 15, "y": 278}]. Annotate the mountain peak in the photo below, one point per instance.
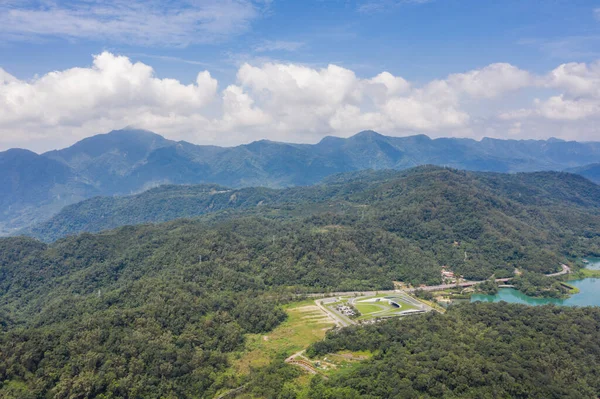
[
  {"x": 133, "y": 132},
  {"x": 136, "y": 142},
  {"x": 368, "y": 134},
  {"x": 17, "y": 152}
]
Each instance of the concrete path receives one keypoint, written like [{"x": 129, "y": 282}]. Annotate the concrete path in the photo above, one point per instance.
[{"x": 565, "y": 270}]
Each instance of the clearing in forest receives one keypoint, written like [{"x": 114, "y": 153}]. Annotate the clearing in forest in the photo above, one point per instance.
[{"x": 305, "y": 325}]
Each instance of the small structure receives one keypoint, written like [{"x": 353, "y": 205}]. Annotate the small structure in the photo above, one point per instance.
[{"x": 448, "y": 275}]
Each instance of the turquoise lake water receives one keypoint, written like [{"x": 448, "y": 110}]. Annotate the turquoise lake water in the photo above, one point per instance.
[
  {"x": 589, "y": 295},
  {"x": 594, "y": 264}
]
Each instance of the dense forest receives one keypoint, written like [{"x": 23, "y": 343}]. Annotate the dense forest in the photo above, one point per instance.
[
  {"x": 476, "y": 223},
  {"x": 543, "y": 198},
  {"x": 157, "y": 310},
  {"x": 472, "y": 351}
]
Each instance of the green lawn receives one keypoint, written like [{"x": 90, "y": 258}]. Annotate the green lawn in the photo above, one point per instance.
[
  {"x": 382, "y": 308},
  {"x": 366, "y": 308}
]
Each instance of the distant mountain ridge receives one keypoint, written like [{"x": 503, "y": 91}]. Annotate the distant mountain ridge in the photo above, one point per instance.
[
  {"x": 591, "y": 172},
  {"x": 34, "y": 187}
]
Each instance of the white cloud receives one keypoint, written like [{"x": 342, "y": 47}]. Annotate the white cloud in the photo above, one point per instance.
[
  {"x": 114, "y": 91},
  {"x": 145, "y": 22},
  {"x": 239, "y": 110},
  {"x": 491, "y": 81},
  {"x": 579, "y": 98},
  {"x": 577, "y": 79},
  {"x": 392, "y": 84},
  {"x": 559, "y": 107},
  {"x": 292, "y": 102}
]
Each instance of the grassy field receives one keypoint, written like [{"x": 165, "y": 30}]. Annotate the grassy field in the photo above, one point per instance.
[
  {"x": 333, "y": 363},
  {"x": 367, "y": 308},
  {"x": 305, "y": 325},
  {"x": 381, "y": 308},
  {"x": 584, "y": 273}
]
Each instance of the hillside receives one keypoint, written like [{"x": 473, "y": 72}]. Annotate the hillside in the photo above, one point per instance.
[
  {"x": 422, "y": 203},
  {"x": 130, "y": 161},
  {"x": 33, "y": 187},
  {"x": 161, "y": 310},
  {"x": 472, "y": 351}
]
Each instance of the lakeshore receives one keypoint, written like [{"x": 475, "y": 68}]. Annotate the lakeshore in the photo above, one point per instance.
[{"x": 587, "y": 291}]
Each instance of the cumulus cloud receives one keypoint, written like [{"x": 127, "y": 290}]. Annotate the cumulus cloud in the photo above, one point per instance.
[
  {"x": 294, "y": 103},
  {"x": 145, "y": 22},
  {"x": 491, "y": 81},
  {"x": 112, "y": 91},
  {"x": 239, "y": 110},
  {"x": 392, "y": 84},
  {"x": 577, "y": 79},
  {"x": 579, "y": 98}
]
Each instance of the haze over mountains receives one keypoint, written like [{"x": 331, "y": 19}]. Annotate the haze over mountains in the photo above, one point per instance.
[{"x": 34, "y": 187}]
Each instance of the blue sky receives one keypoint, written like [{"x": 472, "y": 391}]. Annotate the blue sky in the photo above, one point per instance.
[{"x": 420, "y": 41}]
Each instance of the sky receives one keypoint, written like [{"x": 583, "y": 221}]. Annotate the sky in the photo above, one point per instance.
[{"x": 234, "y": 71}]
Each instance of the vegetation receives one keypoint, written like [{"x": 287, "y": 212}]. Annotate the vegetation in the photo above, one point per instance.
[
  {"x": 472, "y": 351},
  {"x": 305, "y": 325},
  {"x": 537, "y": 285},
  {"x": 585, "y": 273},
  {"x": 422, "y": 294},
  {"x": 169, "y": 310},
  {"x": 478, "y": 224},
  {"x": 488, "y": 287}
]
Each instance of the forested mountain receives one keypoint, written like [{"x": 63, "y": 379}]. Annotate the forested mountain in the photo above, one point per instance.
[
  {"x": 472, "y": 351},
  {"x": 32, "y": 185},
  {"x": 425, "y": 201},
  {"x": 130, "y": 161},
  {"x": 159, "y": 311}
]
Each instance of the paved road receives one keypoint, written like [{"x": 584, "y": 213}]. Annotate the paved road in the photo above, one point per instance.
[
  {"x": 442, "y": 287},
  {"x": 565, "y": 270},
  {"x": 349, "y": 293}
]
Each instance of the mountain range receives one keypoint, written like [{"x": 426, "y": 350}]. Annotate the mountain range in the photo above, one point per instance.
[{"x": 33, "y": 187}]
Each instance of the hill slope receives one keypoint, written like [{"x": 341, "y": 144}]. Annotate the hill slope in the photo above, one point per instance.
[
  {"x": 543, "y": 191},
  {"x": 33, "y": 186},
  {"x": 462, "y": 218},
  {"x": 130, "y": 161},
  {"x": 160, "y": 310},
  {"x": 472, "y": 351}
]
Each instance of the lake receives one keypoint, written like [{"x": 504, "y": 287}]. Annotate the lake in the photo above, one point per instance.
[
  {"x": 589, "y": 294},
  {"x": 594, "y": 264}
]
